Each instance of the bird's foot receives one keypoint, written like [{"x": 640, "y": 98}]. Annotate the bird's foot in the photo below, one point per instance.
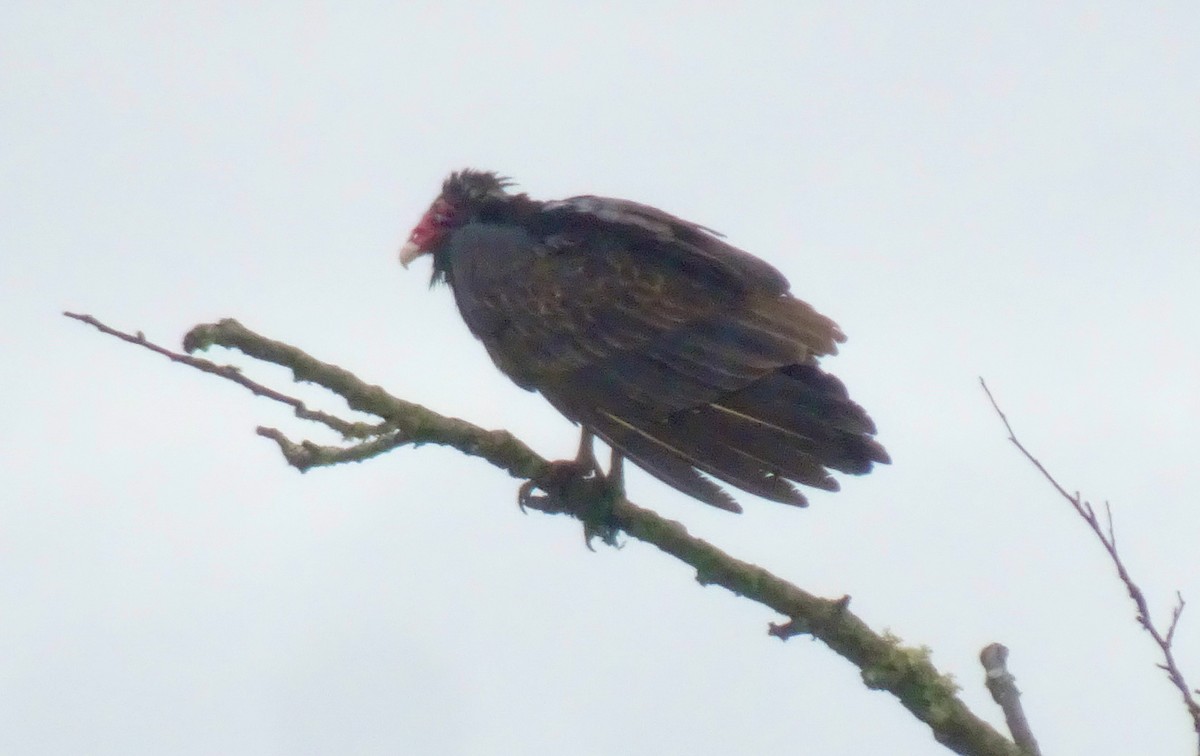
[
  {"x": 562, "y": 478},
  {"x": 575, "y": 488}
]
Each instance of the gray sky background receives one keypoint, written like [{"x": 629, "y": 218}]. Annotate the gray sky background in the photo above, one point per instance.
[{"x": 1010, "y": 191}]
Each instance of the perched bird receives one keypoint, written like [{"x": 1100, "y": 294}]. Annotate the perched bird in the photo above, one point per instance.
[{"x": 686, "y": 355}]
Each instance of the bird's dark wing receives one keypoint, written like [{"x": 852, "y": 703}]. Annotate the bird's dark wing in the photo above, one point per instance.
[
  {"x": 681, "y": 355},
  {"x": 698, "y": 248}
]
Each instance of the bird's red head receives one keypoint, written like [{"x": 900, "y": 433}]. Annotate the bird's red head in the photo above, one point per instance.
[
  {"x": 463, "y": 194},
  {"x": 429, "y": 230}
]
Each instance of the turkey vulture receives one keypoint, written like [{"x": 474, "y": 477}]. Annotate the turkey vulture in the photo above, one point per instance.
[{"x": 683, "y": 353}]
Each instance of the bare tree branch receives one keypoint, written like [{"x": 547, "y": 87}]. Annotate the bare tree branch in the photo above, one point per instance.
[
  {"x": 231, "y": 373},
  {"x": 884, "y": 663},
  {"x": 1108, "y": 539},
  {"x": 1003, "y": 687}
]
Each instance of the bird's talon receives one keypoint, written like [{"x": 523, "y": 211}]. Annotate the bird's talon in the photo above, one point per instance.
[
  {"x": 525, "y": 495},
  {"x": 556, "y": 483}
]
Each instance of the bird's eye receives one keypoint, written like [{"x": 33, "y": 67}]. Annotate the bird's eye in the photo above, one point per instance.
[{"x": 441, "y": 213}]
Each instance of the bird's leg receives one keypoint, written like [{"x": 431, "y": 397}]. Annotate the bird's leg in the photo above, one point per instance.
[
  {"x": 579, "y": 487},
  {"x": 585, "y": 458},
  {"x": 616, "y": 473}
]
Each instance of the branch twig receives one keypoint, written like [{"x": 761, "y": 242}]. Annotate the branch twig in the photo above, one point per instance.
[
  {"x": 231, "y": 373},
  {"x": 884, "y": 663},
  {"x": 1108, "y": 539}
]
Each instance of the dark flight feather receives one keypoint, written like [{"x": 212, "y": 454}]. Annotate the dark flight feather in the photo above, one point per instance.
[{"x": 682, "y": 352}]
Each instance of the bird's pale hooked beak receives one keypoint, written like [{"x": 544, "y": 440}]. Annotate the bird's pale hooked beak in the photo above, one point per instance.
[{"x": 409, "y": 252}]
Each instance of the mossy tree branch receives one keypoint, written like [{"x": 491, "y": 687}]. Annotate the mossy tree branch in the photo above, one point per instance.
[{"x": 883, "y": 662}]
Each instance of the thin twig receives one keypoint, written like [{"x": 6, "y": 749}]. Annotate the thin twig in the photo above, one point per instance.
[
  {"x": 1107, "y": 536},
  {"x": 230, "y": 373}
]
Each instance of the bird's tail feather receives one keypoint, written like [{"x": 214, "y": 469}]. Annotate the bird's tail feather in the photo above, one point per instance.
[{"x": 788, "y": 426}]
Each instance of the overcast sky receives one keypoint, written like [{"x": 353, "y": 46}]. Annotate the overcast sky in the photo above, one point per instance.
[{"x": 1010, "y": 191}]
